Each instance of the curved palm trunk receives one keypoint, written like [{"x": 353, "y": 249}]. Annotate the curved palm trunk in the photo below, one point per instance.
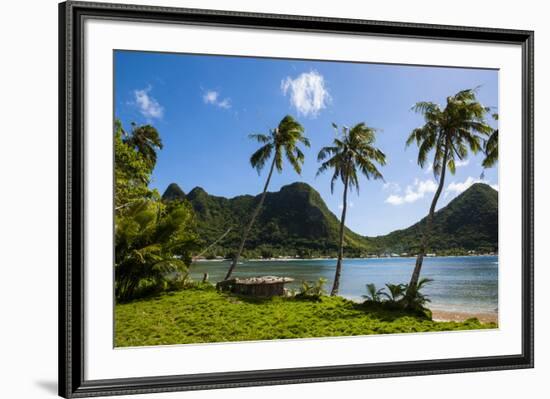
[
  {"x": 336, "y": 284},
  {"x": 251, "y": 223},
  {"x": 428, "y": 229},
  {"x": 194, "y": 258}
]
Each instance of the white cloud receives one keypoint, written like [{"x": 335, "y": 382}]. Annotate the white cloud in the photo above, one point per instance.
[
  {"x": 210, "y": 97},
  {"x": 459, "y": 187},
  {"x": 392, "y": 186},
  {"x": 394, "y": 199},
  {"x": 148, "y": 106},
  {"x": 213, "y": 97},
  {"x": 225, "y": 103},
  {"x": 413, "y": 192},
  {"x": 308, "y": 93}
]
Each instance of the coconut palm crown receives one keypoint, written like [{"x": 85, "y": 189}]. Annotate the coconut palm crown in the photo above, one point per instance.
[
  {"x": 281, "y": 142},
  {"x": 146, "y": 140},
  {"x": 353, "y": 152},
  {"x": 450, "y": 131}
]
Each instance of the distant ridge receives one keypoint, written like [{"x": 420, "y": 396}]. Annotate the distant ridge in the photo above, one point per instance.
[
  {"x": 469, "y": 221},
  {"x": 296, "y": 221}
]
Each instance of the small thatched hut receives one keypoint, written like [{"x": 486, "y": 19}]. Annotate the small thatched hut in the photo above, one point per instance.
[{"x": 265, "y": 286}]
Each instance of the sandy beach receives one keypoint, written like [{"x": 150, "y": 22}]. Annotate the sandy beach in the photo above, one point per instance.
[{"x": 442, "y": 315}]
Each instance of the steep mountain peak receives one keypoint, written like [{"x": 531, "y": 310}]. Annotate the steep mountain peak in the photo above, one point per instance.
[
  {"x": 173, "y": 192},
  {"x": 477, "y": 195},
  {"x": 297, "y": 186},
  {"x": 300, "y": 190},
  {"x": 480, "y": 185},
  {"x": 483, "y": 188},
  {"x": 196, "y": 192}
]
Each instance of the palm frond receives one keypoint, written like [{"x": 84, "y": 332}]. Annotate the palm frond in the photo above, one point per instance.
[
  {"x": 260, "y": 138},
  {"x": 425, "y": 107},
  {"x": 491, "y": 150},
  {"x": 261, "y": 156},
  {"x": 295, "y": 158}
]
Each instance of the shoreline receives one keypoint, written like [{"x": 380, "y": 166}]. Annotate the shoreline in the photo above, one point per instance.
[
  {"x": 447, "y": 315},
  {"x": 309, "y": 259}
]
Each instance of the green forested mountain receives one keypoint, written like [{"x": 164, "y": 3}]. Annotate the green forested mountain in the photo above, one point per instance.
[
  {"x": 173, "y": 192},
  {"x": 468, "y": 222},
  {"x": 296, "y": 221}
]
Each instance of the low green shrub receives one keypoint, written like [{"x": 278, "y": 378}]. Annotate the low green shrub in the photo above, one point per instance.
[
  {"x": 414, "y": 299},
  {"x": 373, "y": 295},
  {"x": 312, "y": 291}
]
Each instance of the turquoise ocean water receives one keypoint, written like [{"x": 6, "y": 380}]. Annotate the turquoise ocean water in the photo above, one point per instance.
[{"x": 462, "y": 283}]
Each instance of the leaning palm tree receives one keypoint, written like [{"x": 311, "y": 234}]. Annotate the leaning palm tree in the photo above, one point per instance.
[
  {"x": 450, "y": 132},
  {"x": 351, "y": 152},
  {"x": 281, "y": 141},
  {"x": 491, "y": 148}
]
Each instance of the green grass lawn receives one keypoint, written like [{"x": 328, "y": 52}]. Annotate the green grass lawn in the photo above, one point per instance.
[{"x": 199, "y": 315}]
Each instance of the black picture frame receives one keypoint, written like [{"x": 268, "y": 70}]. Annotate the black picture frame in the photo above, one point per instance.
[{"x": 71, "y": 200}]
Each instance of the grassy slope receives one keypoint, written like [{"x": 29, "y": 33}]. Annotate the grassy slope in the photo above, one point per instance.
[{"x": 201, "y": 315}]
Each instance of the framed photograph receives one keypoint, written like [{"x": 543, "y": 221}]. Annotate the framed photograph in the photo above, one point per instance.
[{"x": 252, "y": 199}]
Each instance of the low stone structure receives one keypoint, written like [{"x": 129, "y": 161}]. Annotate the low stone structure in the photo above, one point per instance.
[{"x": 265, "y": 286}]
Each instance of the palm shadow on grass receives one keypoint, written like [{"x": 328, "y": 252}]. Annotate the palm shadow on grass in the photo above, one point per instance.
[
  {"x": 384, "y": 312},
  {"x": 252, "y": 300},
  {"x": 387, "y": 311}
]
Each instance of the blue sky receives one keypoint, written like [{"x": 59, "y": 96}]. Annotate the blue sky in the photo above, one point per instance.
[{"x": 205, "y": 106}]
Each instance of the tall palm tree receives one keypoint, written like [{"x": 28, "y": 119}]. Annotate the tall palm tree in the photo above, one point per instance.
[
  {"x": 450, "y": 132},
  {"x": 491, "y": 148},
  {"x": 351, "y": 152},
  {"x": 146, "y": 140},
  {"x": 280, "y": 142}
]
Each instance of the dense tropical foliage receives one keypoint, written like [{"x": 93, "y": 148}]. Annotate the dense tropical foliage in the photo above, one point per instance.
[{"x": 153, "y": 240}]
